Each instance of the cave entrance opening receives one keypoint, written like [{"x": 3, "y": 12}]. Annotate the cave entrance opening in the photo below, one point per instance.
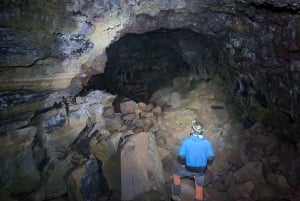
[{"x": 140, "y": 64}]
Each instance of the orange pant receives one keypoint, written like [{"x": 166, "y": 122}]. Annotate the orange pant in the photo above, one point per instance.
[{"x": 176, "y": 187}]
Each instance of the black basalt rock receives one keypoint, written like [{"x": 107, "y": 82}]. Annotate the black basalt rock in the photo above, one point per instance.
[{"x": 93, "y": 183}]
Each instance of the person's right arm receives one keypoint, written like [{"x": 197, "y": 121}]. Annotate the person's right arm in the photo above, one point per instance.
[
  {"x": 210, "y": 160},
  {"x": 210, "y": 154}
]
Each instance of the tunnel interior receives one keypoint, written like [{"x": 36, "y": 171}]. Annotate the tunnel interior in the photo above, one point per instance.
[{"x": 139, "y": 64}]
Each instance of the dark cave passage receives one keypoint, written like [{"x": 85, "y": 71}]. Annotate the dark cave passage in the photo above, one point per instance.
[{"x": 140, "y": 64}]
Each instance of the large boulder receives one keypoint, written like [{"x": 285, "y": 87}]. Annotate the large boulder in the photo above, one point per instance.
[
  {"x": 128, "y": 107},
  {"x": 53, "y": 183},
  {"x": 87, "y": 182},
  {"x": 252, "y": 171},
  {"x": 265, "y": 192},
  {"x": 58, "y": 128},
  {"x": 241, "y": 191},
  {"x": 141, "y": 167},
  {"x": 18, "y": 168},
  {"x": 106, "y": 150}
]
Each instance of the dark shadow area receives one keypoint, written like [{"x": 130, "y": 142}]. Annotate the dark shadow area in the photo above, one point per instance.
[{"x": 140, "y": 64}]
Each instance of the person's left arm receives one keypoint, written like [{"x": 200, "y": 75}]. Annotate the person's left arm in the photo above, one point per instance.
[{"x": 181, "y": 158}]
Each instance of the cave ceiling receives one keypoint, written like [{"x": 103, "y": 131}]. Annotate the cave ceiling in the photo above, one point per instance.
[{"x": 51, "y": 49}]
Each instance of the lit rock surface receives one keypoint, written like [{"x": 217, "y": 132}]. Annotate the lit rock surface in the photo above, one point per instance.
[{"x": 49, "y": 46}]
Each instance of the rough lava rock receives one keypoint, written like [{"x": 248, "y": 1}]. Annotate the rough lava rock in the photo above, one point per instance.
[{"x": 46, "y": 45}]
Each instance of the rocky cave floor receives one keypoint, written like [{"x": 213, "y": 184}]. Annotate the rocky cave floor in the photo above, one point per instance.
[{"x": 250, "y": 163}]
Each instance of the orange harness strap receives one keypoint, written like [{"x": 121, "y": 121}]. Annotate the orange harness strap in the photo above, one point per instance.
[
  {"x": 198, "y": 192},
  {"x": 176, "y": 179}
]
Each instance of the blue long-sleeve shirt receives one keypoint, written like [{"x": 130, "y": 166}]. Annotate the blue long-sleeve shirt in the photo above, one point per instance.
[{"x": 196, "y": 151}]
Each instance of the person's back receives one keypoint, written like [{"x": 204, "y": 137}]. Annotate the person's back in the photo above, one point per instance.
[{"x": 194, "y": 153}]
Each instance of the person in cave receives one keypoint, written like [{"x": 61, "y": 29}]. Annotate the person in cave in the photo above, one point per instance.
[{"x": 194, "y": 155}]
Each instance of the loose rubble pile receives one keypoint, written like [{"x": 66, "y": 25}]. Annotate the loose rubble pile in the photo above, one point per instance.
[{"x": 101, "y": 147}]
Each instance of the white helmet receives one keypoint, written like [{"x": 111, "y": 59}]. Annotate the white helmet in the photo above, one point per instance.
[{"x": 197, "y": 127}]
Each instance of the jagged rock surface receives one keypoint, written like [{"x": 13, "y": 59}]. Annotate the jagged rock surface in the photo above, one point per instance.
[
  {"x": 48, "y": 46},
  {"x": 92, "y": 158}
]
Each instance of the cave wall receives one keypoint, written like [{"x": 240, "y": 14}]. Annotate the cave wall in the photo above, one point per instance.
[{"x": 50, "y": 49}]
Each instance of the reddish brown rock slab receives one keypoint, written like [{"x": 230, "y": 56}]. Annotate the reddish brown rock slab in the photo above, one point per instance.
[
  {"x": 141, "y": 166},
  {"x": 265, "y": 192},
  {"x": 240, "y": 191},
  {"x": 213, "y": 194},
  {"x": 278, "y": 180},
  {"x": 127, "y": 107},
  {"x": 251, "y": 171}
]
